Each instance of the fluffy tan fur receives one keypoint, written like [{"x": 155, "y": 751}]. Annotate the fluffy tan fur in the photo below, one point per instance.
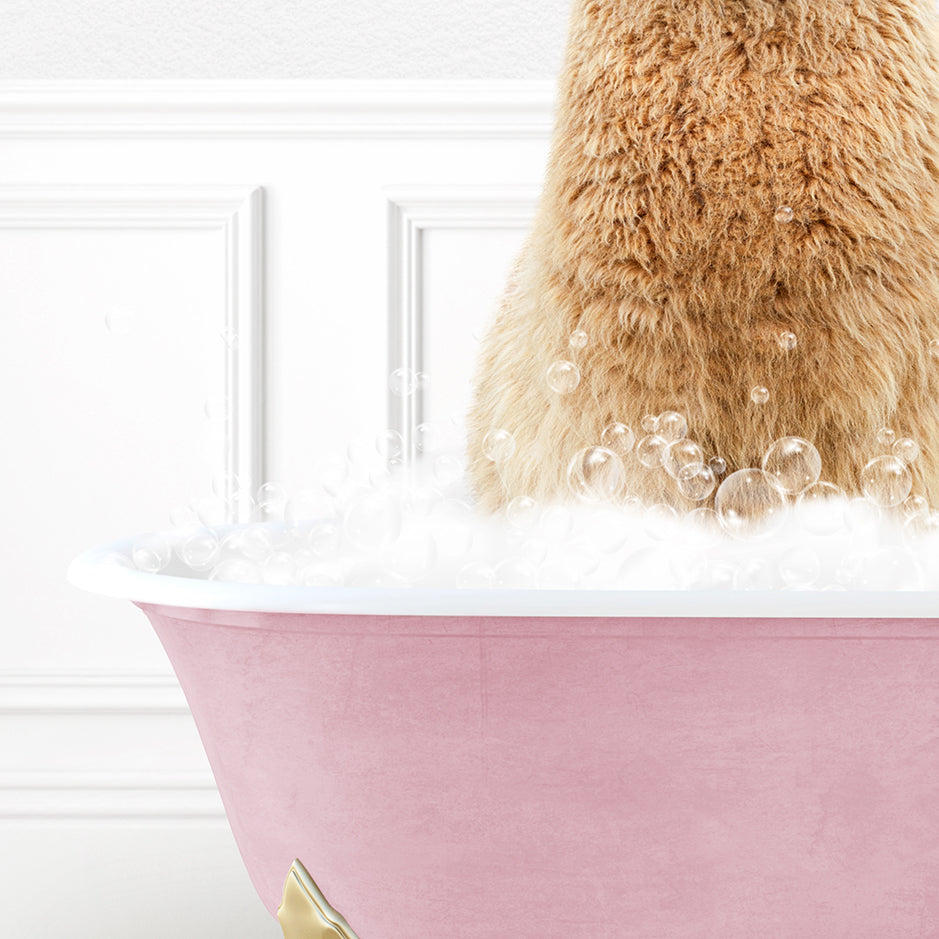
[{"x": 682, "y": 126}]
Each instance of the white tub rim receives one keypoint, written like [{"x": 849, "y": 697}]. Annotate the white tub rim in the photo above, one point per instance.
[{"x": 95, "y": 571}]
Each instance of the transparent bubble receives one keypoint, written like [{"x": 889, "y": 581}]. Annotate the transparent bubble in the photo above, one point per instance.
[
  {"x": 787, "y": 341},
  {"x": 886, "y": 437},
  {"x": 707, "y": 573},
  {"x": 523, "y": 513},
  {"x": 799, "y": 566},
  {"x": 648, "y": 423},
  {"x": 861, "y": 515},
  {"x": 650, "y": 451},
  {"x": 412, "y": 555},
  {"x": 916, "y": 507},
  {"x": 718, "y": 465},
  {"x": 557, "y": 521},
  {"x": 475, "y": 576},
  {"x": 321, "y": 575},
  {"x": 241, "y": 505},
  {"x": 372, "y": 520},
  {"x": 279, "y": 567},
  {"x": 578, "y": 339},
  {"x": 184, "y": 516},
  {"x": 390, "y": 444},
  {"x": 792, "y": 464},
  {"x": 448, "y": 469},
  {"x": 706, "y": 520},
  {"x": 671, "y": 425},
  {"x": 324, "y": 539},
  {"x": 906, "y": 449},
  {"x": 427, "y": 438},
  {"x": 236, "y": 570},
  {"x": 515, "y": 573},
  {"x": 886, "y": 481},
  {"x": 253, "y": 542},
  {"x": 120, "y": 321},
  {"x": 595, "y": 474},
  {"x": 309, "y": 505},
  {"x": 658, "y": 521},
  {"x": 824, "y": 507},
  {"x": 759, "y": 394},
  {"x": 619, "y": 438},
  {"x": 934, "y": 348},
  {"x": 696, "y": 481},
  {"x": 211, "y": 511},
  {"x": 679, "y": 454},
  {"x": 757, "y": 574},
  {"x": 784, "y": 214},
  {"x": 151, "y": 553},
  {"x": 423, "y": 381},
  {"x": 563, "y": 377},
  {"x": 498, "y": 445},
  {"x": 403, "y": 382},
  {"x": 199, "y": 549},
  {"x": 271, "y": 501},
  {"x": 747, "y": 501}
]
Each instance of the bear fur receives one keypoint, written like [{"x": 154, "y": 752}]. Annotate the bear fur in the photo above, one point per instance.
[{"x": 682, "y": 127}]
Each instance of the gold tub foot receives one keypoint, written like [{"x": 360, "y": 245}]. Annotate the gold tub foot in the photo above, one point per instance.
[{"x": 304, "y": 912}]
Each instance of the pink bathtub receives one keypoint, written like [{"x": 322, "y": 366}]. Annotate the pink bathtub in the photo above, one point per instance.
[{"x": 551, "y": 764}]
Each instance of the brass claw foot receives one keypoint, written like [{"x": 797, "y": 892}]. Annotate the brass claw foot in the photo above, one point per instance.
[{"x": 304, "y": 912}]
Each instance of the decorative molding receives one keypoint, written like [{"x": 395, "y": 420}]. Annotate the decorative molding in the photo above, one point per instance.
[
  {"x": 412, "y": 212},
  {"x": 277, "y": 109},
  {"x": 127, "y": 793},
  {"x": 235, "y": 210}
]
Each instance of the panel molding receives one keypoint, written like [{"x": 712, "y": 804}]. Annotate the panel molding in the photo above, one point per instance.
[
  {"x": 237, "y": 212},
  {"x": 505, "y": 109},
  {"x": 411, "y": 213},
  {"x": 94, "y": 701}
]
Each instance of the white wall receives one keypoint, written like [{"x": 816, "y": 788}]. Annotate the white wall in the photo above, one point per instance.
[
  {"x": 339, "y": 231},
  {"x": 131, "y": 39}
]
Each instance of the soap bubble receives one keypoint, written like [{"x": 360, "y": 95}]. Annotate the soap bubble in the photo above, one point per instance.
[
  {"x": 427, "y": 437},
  {"x": 679, "y": 454},
  {"x": 886, "y": 481},
  {"x": 906, "y": 449},
  {"x": 595, "y": 474},
  {"x": 658, "y": 521},
  {"x": 199, "y": 549},
  {"x": 619, "y": 438},
  {"x": 422, "y": 380},
  {"x": 934, "y": 348},
  {"x": 271, "y": 501},
  {"x": 321, "y": 575},
  {"x": 757, "y": 574},
  {"x": 254, "y": 542},
  {"x": 696, "y": 481},
  {"x": 523, "y": 513},
  {"x": 211, "y": 511},
  {"x": 403, "y": 382},
  {"x": 324, "y": 539},
  {"x": 916, "y": 507},
  {"x": 792, "y": 464},
  {"x": 759, "y": 394},
  {"x": 648, "y": 423},
  {"x": 279, "y": 567},
  {"x": 236, "y": 570},
  {"x": 563, "y": 377},
  {"x": 799, "y": 566},
  {"x": 447, "y": 469},
  {"x": 784, "y": 214},
  {"x": 498, "y": 445},
  {"x": 825, "y": 510},
  {"x": 671, "y": 425},
  {"x": 787, "y": 341},
  {"x": 746, "y": 500},
  {"x": 390, "y": 444},
  {"x": 578, "y": 339},
  {"x": 241, "y": 505},
  {"x": 886, "y": 437},
  {"x": 185, "y": 516},
  {"x": 151, "y": 553},
  {"x": 718, "y": 465},
  {"x": 514, "y": 573},
  {"x": 475, "y": 576},
  {"x": 308, "y": 505},
  {"x": 650, "y": 451},
  {"x": 372, "y": 520}
]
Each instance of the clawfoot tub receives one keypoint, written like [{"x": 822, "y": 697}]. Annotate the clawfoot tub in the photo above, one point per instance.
[{"x": 546, "y": 764}]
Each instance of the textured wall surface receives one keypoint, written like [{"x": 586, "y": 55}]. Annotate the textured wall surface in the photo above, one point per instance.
[{"x": 140, "y": 39}]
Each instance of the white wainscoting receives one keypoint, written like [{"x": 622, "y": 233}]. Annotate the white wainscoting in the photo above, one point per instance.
[{"x": 203, "y": 282}]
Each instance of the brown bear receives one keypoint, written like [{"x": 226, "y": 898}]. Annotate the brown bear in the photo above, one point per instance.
[{"x": 741, "y": 214}]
